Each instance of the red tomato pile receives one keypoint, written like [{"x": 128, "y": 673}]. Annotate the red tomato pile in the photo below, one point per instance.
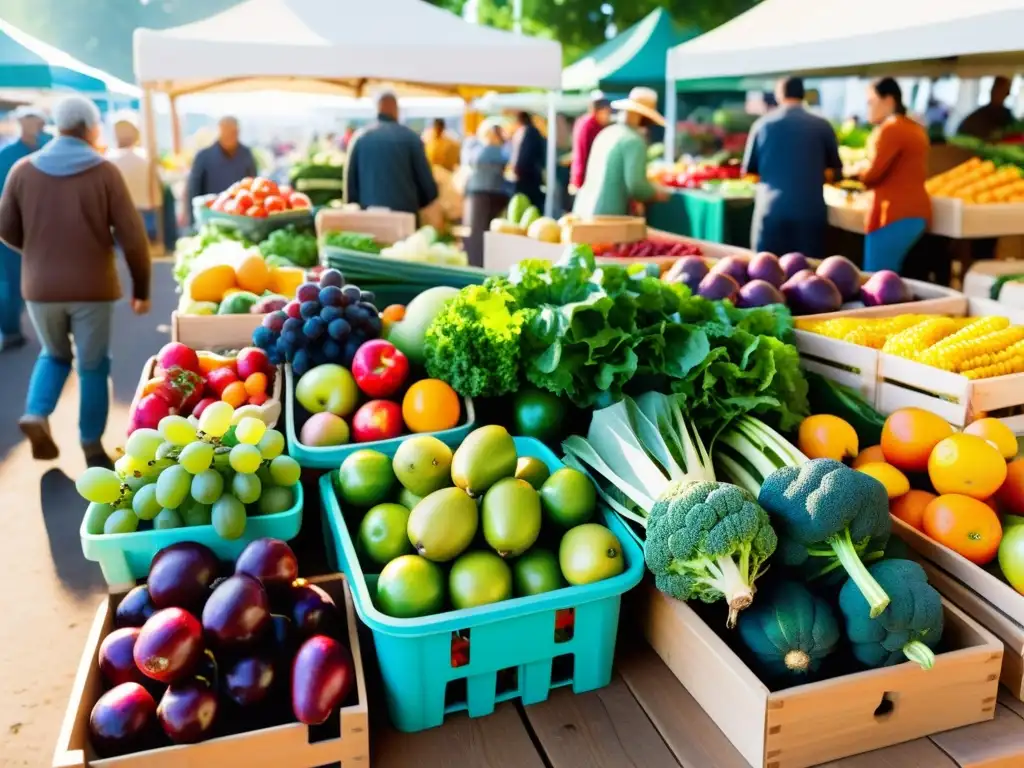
[
  {"x": 258, "y": 198},
  {"x": 695, "y": 177},
  {"x": 650, "y": 248}
]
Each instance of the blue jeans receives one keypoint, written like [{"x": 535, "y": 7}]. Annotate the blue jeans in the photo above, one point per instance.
[
  {"x": 86, "y": 325},
  {"x": 887, "y": 248},
  {"x": 10, "y": 293},
  {"x": 780, "y": 235}
]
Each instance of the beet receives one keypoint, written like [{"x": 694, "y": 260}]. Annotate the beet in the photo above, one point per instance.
[
  {"x": 815, "y": 295},
  {"x": 794, "y": 262},
  {"x": 181, "y": 575},
  {"x": 718, "y": 285},
  {"x": 270, "y": 561},
  {"x": 844, "y": 273},
  {"x": 733, "y": 266},
  {"x": 313, "y": 611},
  {"x": 766, "y": 267},
  {"x": 135, "y": 608},
  {"x": 170, "y": 645},
  {"x": 123, "y": 720},
  {"x": 322, "y": 677},
  {"x": 187, "y": 712},
  {"x": 884, "y": 287},
  {"x": 689, "y": 270},
  {"x": 116, "y": 658},
  {"x": 759, "y": 293},
  {"x": 237, "y": 613}
]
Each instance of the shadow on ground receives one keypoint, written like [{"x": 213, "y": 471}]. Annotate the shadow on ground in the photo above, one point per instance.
[{"x": 62, "y": 516}]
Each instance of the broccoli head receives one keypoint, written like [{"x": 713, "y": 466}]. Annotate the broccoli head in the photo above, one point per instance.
[
  {"x": 708, "y": 541},
  {"x": 827, "y": 511},
  {"x": 909, "y": 628}
]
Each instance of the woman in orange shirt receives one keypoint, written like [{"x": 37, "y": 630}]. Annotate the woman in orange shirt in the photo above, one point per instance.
[{"x": 898, "y": 167}]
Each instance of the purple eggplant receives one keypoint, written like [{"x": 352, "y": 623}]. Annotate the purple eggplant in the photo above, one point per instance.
[
  {"x": 766, "y": 267},
  {"x": 117, "y": 657},
  {"x": 237, "y": 614},
  {"x": 170, "y": 646},
  {"x": 844, "y": 273},
  {"x": 187, "y": 712},
  {"x": 689, "y": 270},
  {"x": 181, "y": 575},
  {"x": 884, "y": 287},
  {"x": 718, "y": 285},
  {"x": 313, "y": 611},
  {"x": 270, "y": 561},
  {"x": 248, "y": 680},
  {"x": 135, "y": 608},
  {"x": 123, "y": 720},
  {"x": 793, "y": 263},
  {"x": 813, "y": 296},
  {"x": 733, "y": 266},
  {"x": 322, "y": 678},
  {"x": 759, "y": 293}
]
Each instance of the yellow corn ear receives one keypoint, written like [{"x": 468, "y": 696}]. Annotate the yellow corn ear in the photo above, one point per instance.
[
  {"x": 952, "y": 357},
  {"x": 917, "y": 338},
  {"x": 874, "y": 333},
  {"x": 1004, "y": 368},
  {"x": 986, "y": 359},
  {"x": 938, "y": 355}
]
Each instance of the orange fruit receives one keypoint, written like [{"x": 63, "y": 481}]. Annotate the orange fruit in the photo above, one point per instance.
[
  {"x": 256, "y": 384},
  {"x": 909, "y": 435},
  {"x": 393, "y": 313},
  {"x": 827, "y": 437},
  {"x": 967, "y": 526},
  {"x": 430, "y": 405},
  {"x": 966, "y": 464},
  {"x": 997, "y": 433},
  {"x": 910, "y": 507},
  {"x": 234, "y": 394},
  {"x": 895, "y": 482},
  {"x": 869, "y": 456},
  {"x": 1010, "y": 495}
]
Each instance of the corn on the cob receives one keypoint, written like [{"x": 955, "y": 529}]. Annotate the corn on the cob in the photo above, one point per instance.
[
  {"x": 938, "y": 355},
  {"x": 1013, "y": 365},
  {"x": 917, "y": 338},
  {"x": 874, "y": 333},
  {"x": 986, "y": 359},
  {"x": 951, "y": 358}
]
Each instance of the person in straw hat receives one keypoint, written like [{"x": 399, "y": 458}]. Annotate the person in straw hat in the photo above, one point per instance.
[
  {"x": 617, "y": 167},
  {"x": 131, "y": 160}
]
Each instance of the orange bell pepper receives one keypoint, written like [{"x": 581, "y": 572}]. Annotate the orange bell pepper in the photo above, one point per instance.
[{"x": 211, "y": 361}]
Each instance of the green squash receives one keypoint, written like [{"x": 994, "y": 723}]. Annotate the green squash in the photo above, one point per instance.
[{"x": 789, "y": 631}]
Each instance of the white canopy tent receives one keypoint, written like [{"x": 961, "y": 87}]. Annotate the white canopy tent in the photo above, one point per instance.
[
  {"x": 341, "y": 47},
  {"x": 823, "y": 38}
]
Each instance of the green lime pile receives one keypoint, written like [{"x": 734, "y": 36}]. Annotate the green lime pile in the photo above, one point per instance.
[{"x": 473, "y": 527}]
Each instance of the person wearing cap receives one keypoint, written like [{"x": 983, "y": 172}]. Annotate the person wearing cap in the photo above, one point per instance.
[
  {"x": 133, "y": 164},
  {"x": 31, "y": 137},
  {"x": 617, "y": 167},
  {"x": 218, "y": 166},
  {"x": 65, "y": 208},
  {"x": 793, "y": 153},
  {"x": 584, "y": 132}
]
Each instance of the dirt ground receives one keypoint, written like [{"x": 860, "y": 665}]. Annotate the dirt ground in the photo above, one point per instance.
[{"x": 48, "y": 606}]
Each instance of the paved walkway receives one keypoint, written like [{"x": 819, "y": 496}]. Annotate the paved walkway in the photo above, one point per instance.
[{"x": 51, "y": 593}]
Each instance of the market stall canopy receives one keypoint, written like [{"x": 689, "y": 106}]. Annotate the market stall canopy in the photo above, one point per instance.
[
  {"x": 831, "y": 37},
  {"x": 27, "y": 63},
  {"x": 634, "y": 57},
  {"x": 342, "y": 46},
  {"x": 531, "y": 101}
]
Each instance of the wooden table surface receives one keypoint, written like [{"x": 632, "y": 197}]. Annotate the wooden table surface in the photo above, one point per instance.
[{"x": 646, "y": 719}]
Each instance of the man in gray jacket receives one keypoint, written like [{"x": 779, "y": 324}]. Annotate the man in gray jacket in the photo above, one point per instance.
[{"x": 387, "y": 165}]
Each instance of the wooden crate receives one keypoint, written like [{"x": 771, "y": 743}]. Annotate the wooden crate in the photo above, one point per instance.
[
  {"x": 214, "y": 331},
  {"x": 503, "y": 251},
  {"x": 270, "y": 411},
  {"x": 386, "y": 226},
  {"x": 828, "y": 720},
  {"x": 929, "y": 299},
  {"x": 959, "y": 220},
  {"x": 284, "y": 746},
  {"x": 849, "y": 218},
  {"x": 849, "y": 364},
  {"x": 991, "y": 618},
  {"x": 983, "y": 274},
  {"x": 605, "y": 229}
]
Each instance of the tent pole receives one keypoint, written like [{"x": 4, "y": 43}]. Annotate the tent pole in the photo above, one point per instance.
[
  {"x": 155, "y": 191},
  {"x": 175, "y": 126},
  {"x": 671, "y": 107},
  {"x": 552, "y": 156}
]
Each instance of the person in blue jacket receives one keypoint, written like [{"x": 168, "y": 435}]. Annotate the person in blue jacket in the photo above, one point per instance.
[{"x": 31, "y": 138}]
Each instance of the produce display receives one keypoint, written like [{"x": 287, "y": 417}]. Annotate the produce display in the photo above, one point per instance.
[
  {"x": 353, "y": 241},
  {"x": 425, "y": 247},
  {"x": 522, "y": 218},
  {"x": 979, "y": 181},
  {"x": 505, "y": 524},
  {"x": 258, "y": 198},
  {"x": 185, "y": 382},
  {"x": 649, "y": 248},
  {"x": 974, "y": 347},
  {"x": 791, "y": 280},
  {"x": 196, "y": 655},
  {"x": 215, "y": 468},
  {"x": 320, "y": 176}
]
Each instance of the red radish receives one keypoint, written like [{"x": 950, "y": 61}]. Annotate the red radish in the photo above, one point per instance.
[{"x": 174, "y": 354}]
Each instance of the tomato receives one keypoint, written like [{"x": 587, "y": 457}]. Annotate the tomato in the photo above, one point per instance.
[
  {"x": 222, "y": 199},
  {"x": 967, "y": 526},
  {"x": 244, "y": 200},
  {"x": 275, "y": 203},
  {"x": 299, "y": 200},
  {"x": 257, "y": 212},
  {"x": 285, "y": 191},
  {"x": 233, "y": 190},
  {"x": 232, "y": 207},
  {"x": 265, "y": 187},
  {"x": 246, "y": 183},
  {"x": 379, "y": 368}
]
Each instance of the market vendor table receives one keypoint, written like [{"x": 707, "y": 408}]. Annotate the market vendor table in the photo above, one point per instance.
[
  {"x": 704, "y": 216},
  {"x": 646, "y": 718}
]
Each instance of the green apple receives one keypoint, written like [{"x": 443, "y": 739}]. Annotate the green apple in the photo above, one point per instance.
[
  {"x": 1011, "y": 556},
  {"x": 329, "y": 388}
]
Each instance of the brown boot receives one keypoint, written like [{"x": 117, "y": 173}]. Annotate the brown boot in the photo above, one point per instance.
[
  {"x": 96, "y": 455},
  {"x": 37, "y": 430}
]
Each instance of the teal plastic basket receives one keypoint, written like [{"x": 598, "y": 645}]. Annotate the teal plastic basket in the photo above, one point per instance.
[
  {"x": 513, "y": 651},
  {"x": 125, "y": 558},
  {"x": 256, "y": 230},
  {"x": 330, "y": 457}
]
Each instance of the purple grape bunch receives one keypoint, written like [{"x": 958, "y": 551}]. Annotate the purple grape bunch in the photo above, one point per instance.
[{"x": 326, "y": 322}]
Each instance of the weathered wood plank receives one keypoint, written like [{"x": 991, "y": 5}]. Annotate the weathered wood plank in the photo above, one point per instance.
[
  {"x": 998, "y": 743},
  {"x": 498, "y": 741},
  {"x": 601, "y": 729},
  {"x": 920, "y": 753}
]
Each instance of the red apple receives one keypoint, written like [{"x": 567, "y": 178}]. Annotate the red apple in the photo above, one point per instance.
[
  {"x": 252, "y": 360},
  {"x": 219, "y": 378},
  {"x": 377, "y": 420},
  {"x": 174, "y": 354},
  {"x": 379, "y": 368}
]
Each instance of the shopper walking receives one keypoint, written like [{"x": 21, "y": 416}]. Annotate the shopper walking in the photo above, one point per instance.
[
  {"x": 134, "y": 165},
  {"x": 793, "y": 153},
  {"x": 486, "y": 197},
  {"x": 617, "y": 167},
  {"x": 529, "y": 148},
  {"x": 30, "y": 138},
  {"x": 896, "y": 172},
  {"x": 387, "y": 164},
  {"x": 584, "y": 132},
  {"x": 218, "y": 166},
  {"x": 62, "y": 208}
]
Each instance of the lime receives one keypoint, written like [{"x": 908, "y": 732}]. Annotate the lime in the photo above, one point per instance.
[
  {"x": 532, "y": 470},
  {"x": 382, "y": 535},
  {"x": 568, "y": 497},
  {"x": 535, "y": 572},
  {"x": 479, "y": 578},
  {"x": 590, "y": 553},
  {"x": 423, "y": 464},
  {"x": 539, "y": 414},
  {"x": 365, "y": 478},
  {"x": 410, "y": 586},
  {"x": 408, "y": 499}
]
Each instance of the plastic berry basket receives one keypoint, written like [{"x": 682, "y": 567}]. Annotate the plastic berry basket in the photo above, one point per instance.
[
  {"x": 125, "y": 558},
  {"x": 470, "y": 660},
  {"x": 254, "y": 229},
  {"x": 330, "y": 457}
]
